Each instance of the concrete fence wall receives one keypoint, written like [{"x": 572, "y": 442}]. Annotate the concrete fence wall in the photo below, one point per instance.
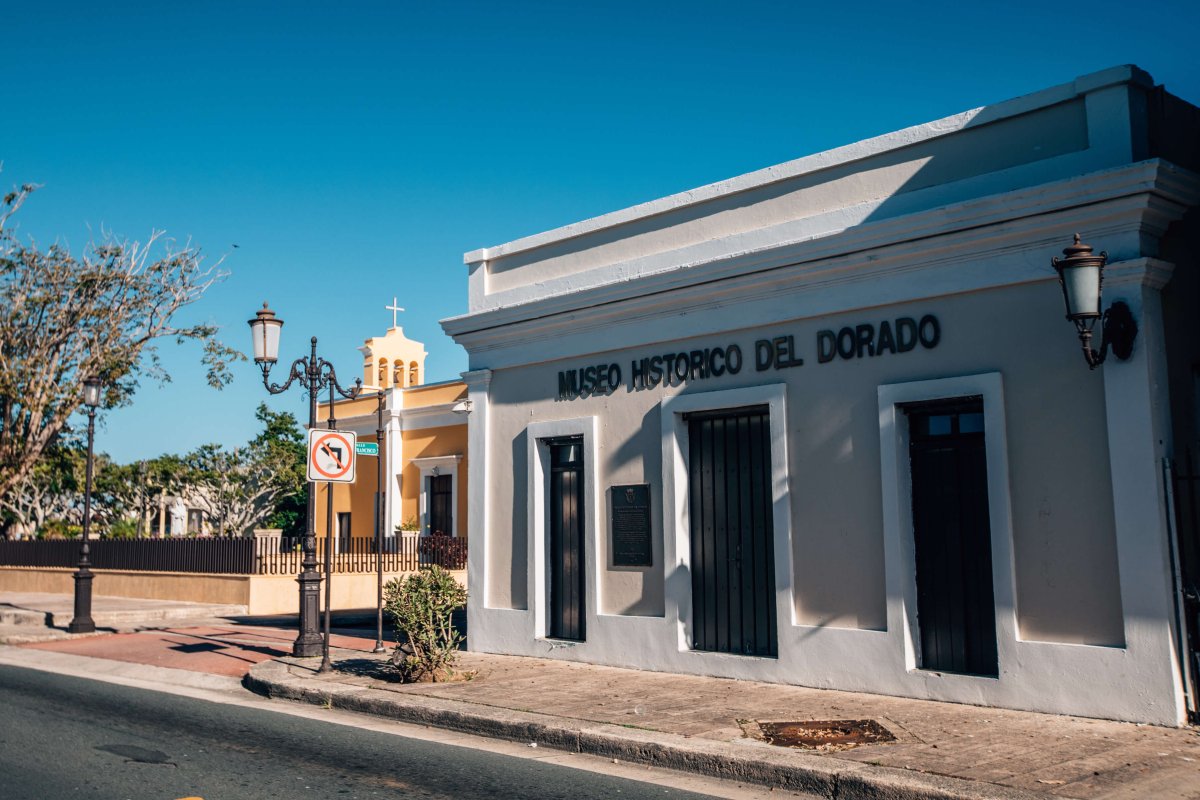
[{"x": 261, "y": 594}]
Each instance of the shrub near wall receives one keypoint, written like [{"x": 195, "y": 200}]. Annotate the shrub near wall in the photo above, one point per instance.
[{"x": 422, "y": 607}]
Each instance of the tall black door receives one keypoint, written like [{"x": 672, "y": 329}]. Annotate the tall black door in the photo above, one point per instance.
[
  {"x": 732, "y": 546},
  {"x": 566, "y": 565},
  {"x": 955, "y": 610},
  {"x": 441, "y": 504}
]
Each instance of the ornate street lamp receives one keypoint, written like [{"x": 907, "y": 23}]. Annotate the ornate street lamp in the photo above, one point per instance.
[
  {"x": 313, "y": 374},
  {"x": 1081, "y": 276},
  {"x": 82, "y": 621},
  {"x": 380, "y": 508}
]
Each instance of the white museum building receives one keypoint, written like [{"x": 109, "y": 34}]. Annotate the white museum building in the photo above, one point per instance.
[{"x": 826, "y": 423}]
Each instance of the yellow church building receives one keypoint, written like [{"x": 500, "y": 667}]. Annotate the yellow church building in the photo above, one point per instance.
[{"x": 423, "y": 449}]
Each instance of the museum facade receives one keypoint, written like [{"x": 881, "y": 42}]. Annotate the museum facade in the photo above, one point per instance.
[{"x": 825, "y": 424}]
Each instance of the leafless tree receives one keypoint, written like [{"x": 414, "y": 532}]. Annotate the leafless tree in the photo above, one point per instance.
[
  {"x": 63, "y": 318},
  {"x": 240, "y": 488}
]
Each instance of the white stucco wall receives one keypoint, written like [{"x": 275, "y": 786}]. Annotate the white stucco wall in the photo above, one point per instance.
[{"x": 956, "y": 219}]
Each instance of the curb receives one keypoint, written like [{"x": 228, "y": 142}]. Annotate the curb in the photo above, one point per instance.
[
  {"x": 116, "y": 619},
  {"x": 755, "y": 763}
]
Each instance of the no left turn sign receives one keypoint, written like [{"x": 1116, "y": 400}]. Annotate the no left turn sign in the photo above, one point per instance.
[{"x": 331, "y": 456}]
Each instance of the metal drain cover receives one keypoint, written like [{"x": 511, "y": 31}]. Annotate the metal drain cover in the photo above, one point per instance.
[{"x": 825, "y": 734}]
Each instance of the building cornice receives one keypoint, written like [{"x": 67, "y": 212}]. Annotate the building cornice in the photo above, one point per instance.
[{"x": 945, "y": 251}]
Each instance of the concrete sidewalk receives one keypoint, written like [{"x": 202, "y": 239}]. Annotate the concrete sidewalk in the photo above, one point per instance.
[
  {"x": 708, "y": 725},
  {"x": 703, "y": 725},
  {"x": 35, "y": 617}
]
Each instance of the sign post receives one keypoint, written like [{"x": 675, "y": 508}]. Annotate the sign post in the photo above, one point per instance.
[{"x": 331, "y": 456}]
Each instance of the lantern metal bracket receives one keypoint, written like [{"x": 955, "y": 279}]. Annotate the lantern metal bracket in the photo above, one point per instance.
[
  {"x": 1118, "y": 331},
  {"x": 1118, "y": 328}
]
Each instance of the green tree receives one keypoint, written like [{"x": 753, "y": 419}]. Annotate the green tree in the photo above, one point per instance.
[
  {"x": 65, "y": 317},
  {"x": 283, "y": 435},
  {"x": 50, "y": 491},
  {"x": 245, "y": 487},
  {"x": 132, "y": 492}
]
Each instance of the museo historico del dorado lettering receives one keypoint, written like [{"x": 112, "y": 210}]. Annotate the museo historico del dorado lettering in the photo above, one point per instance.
[{"x": 671, "y": 368}]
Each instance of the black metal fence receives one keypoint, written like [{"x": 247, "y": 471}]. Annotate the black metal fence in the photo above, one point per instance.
[
  {"x": 267, "y": 556},
  {"x": 400, "y": 554}
]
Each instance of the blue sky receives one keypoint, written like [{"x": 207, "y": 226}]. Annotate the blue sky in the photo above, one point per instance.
[{"x": 356, "y": 152}]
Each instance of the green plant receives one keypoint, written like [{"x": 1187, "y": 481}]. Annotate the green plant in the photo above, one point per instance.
[
  {"x": 409, "y": 525},
  {"x": 421, "y": 606},
  {"x": 122, "y": 529},
  {"x": 59, "y": 529}
]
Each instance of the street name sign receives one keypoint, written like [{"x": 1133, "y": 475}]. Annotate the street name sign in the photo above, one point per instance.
[
  {"x": 331, "y": 456},
  {"x": 366, "y": 449}
]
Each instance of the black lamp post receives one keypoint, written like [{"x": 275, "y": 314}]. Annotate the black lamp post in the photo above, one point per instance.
[
  {"x": 380, "y": 508},
  {"x": 1081, "y": 276},
  {"x": 82, "y": 621},
  {"x": 313, "y": 374}
]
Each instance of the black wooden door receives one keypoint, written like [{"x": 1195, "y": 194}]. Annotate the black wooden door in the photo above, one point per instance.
[
  {"x": 732, "y": 545},
  {"x": 565, "y": 619},
  {"x": 441, "y": 504},
  {"x": 955, "y": 610}
]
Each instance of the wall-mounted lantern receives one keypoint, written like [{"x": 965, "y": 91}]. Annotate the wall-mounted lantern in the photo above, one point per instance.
[{"x": 1081, "y": 276}]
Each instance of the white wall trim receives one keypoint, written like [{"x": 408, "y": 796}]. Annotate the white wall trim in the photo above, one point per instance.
[
  {"x": 874, "y": 264},
  {"x": 835, "y": 250},
  {"x": 1137, "y": 677},
  {"x": 478, "y": 611},
  {"x": 676, "y": 515},
  {"x": 438, "y": 416},
  {"x": 538, "y": 471},
  {"x": 1139, "y": 427},
  {"x": 438, "y": 465},
  {"x": 899, "y": 548}
]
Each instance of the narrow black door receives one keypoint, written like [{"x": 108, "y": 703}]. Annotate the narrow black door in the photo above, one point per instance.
[
  {"x": 732, "y": 546},
  {"x": 566, "y": 612},
  {"x": 441, "y": 497},
  {"x": 955, "y": 611}
]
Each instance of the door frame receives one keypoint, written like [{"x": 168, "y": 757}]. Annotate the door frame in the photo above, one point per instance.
[
  {"x": 438, "y": 465},
  {"x": 677, "y": 515},
  {"x": 537, "y": 508},
  {"x": 899, "y": 546}
]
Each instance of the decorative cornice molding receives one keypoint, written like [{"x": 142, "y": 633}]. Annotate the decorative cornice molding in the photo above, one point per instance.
[
  {"x": 1150, "y": 272},
  {"x": 1147, "y": 193},
  {"x": 477, "y": 379},
  {"x": 989, "y": 243}
]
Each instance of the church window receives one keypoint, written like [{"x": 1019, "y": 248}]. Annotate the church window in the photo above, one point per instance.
[
  {"x": 413, "y": 374},
  {"x": 383, "y": 373}
]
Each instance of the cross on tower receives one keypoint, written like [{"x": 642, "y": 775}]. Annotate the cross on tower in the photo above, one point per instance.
[{"x": 395, "y": 309}]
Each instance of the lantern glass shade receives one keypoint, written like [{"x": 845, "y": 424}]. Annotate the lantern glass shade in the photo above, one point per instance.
[
  {"x": 264, "y": 330},
  {"x": 1081, "y": 285},
  {"x": 91, "y": 391}
]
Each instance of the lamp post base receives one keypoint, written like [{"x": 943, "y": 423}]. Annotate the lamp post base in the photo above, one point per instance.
[
  {"x": 309, "y": 642},
  {"x": 83, "y": 623}
]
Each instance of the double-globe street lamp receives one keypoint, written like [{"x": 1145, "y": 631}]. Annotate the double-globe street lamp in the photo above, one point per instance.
[
  {"x": 313, "y": 374},
  {"x": 82, "y": 622}
]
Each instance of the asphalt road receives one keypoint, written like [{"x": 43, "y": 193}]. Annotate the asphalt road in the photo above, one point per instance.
[{"x": 65, "y": 737}]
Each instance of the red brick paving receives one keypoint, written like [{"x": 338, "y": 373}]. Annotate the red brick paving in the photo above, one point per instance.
[{"x": 218, "y": 650}]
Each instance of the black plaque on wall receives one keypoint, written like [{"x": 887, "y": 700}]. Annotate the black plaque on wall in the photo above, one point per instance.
[{"x": 629, "y": 526}]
